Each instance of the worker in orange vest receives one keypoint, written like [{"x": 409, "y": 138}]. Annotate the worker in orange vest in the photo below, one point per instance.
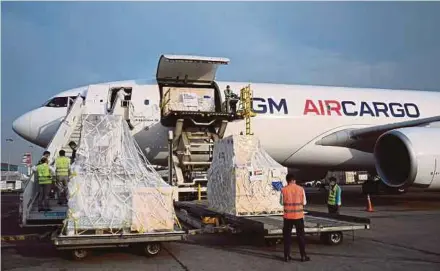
[{"x": 293, "y": 198}]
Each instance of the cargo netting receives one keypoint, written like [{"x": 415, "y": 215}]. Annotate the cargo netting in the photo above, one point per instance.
[
  {"x": 114, "y": 187},
  {"x": 243, "y": 179}
]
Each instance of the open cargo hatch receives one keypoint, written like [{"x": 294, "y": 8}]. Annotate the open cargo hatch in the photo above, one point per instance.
[{"x": 175, "y": 68}]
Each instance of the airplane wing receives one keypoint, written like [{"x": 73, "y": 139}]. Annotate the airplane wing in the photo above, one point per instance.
[{"x": 364, "y": 139}]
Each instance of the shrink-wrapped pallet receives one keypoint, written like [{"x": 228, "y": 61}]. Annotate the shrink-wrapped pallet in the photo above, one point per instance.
[
  {"x": 189, "y": 99},
  {"x": 114, "y": 188},
  {"x": 243, "y": 179}
]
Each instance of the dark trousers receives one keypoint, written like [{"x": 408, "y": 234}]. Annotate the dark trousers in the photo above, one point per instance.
[
  {"x": 43, "y": 201},
  {"x": 333, "y": 209},
  {"x": 300, "y": 236},
  {"x": 61, "y": 185}
]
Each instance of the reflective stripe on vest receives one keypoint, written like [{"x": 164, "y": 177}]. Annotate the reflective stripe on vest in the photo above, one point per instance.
[
  {"x": 62, "y": 166},
  {"x": 44, "y": 176},
  {"x": 332, "y": 195},
  {"x": 293, "y": 201}
]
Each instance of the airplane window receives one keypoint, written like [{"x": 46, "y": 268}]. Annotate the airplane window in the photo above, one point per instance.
[
  {"x": 57, "y": 102},
  {"x": 147, "y": 102}
]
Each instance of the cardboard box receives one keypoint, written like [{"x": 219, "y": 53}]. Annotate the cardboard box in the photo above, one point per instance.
[
  {"x": 189, "y": 99},
  {"x": 243, "y": 178},
  {"x": 153, "y": 209}
]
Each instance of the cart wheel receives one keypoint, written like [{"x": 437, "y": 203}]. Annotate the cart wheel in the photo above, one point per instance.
[
  {"x": 334, "y": 238},
  {"x": 271, "y": 241},
  {"x": 79, "y": 254},
  {"x": 152, "y": 249}
]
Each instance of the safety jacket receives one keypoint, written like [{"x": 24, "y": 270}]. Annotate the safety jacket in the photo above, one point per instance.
[
  {"x": 62, "y": 165},
  {"x": 293, "y": 201},
  {"x": 332, "y": 195},
  {"x": 44, "y": 175}
]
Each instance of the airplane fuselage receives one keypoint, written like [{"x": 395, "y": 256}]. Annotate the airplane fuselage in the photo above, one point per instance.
[{"x": 290, "y": 119}]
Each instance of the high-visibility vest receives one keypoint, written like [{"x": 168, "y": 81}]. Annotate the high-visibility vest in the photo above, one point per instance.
[
  {"x": 44, "y": 175},
  {"x": 62, "y": 164},
  {"x": 293, "y": 201},
  {"x": 332, "y": 195}
]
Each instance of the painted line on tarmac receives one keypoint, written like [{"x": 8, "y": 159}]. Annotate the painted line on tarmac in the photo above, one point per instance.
[{"x": 177, "y": 260}]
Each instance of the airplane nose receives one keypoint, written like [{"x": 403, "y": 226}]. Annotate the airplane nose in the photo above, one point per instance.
[{"x": 22, "y": 126}]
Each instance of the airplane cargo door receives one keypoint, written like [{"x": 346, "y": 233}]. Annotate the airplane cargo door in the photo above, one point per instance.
[
  {"x": 144, "y": 111},
  {"x": 96, "y": 100}
]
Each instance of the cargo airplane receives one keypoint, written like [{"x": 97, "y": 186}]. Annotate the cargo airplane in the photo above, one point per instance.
[{"x": 309, "y": 129}]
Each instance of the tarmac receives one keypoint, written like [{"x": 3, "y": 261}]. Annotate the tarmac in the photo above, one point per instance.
[{"x": 404, "y": 235}]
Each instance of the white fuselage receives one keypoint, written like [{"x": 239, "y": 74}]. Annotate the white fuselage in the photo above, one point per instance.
[{"x": 290, "y": 119}]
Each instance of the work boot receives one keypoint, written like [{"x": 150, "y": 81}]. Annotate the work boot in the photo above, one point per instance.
[
  {"x": 287, "y": 259},
  {"x": 305, "y": 258}
]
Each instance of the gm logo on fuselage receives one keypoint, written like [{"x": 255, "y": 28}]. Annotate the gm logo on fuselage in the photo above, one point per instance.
[
  {"x": 362, "y": 108},
  {"x": 263, "y": 106}
]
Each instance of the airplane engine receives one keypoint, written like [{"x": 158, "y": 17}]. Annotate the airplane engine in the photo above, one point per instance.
[{"x": 409, "y": 157}]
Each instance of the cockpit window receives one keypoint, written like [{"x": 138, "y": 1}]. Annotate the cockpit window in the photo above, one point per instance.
[{"x": 59, "y": 101}]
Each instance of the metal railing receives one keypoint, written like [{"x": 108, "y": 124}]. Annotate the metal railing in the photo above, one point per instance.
[
  {"x": 65, "y": 130},
  {"x": 165, "y": 99}
]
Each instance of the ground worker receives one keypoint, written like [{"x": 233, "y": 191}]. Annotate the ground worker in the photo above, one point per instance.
[
  {"x": 73, "y": 146},
  {"x": 62, "y": 171},
  {"x": 293, "y": 198},
  {"x": 44, "y": 173},
  {"x": 228, "y": 93},
  {"x": 334, "y": 196},
  {"x": 231, "y": 100},
  {"x": 46, "y": 155}
]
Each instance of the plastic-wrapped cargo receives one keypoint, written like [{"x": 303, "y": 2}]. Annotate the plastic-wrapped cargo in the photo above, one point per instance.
[
  {"x": 189, "y": 99},
  {"x": 243, "y": 179},
  {"x": 114, "y": 188}
]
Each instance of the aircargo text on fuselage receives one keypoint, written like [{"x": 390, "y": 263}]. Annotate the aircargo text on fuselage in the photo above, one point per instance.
[{"x": 360, "y": 108}]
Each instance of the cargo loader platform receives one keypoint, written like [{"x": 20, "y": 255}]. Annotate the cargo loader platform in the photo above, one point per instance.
[
  {"x": 329, "y": 227},
  {"x": 193, "y": 118},
  {"x": 79, "y": 246}
]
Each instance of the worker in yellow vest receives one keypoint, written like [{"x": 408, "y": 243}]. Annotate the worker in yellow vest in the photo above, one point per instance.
[
  {"x": 62, "y": 170},
  {"x": 334, "y": 197},
  {"x": 45, "y": 181}
]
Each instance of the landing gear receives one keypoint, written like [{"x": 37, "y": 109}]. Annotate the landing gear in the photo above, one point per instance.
[{"x": 376, "y": 186}]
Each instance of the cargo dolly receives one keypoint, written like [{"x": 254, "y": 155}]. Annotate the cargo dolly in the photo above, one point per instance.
[
  {"x": 80, "y": 245},
  {"x": 329, "y": 227}
]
